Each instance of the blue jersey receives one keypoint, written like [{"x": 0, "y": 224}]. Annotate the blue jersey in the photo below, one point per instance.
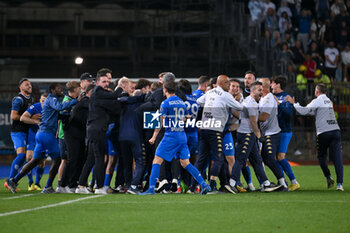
[
  {"x": 33, "y": 110},
  {"x": 174, "y": 110},
  {"x": 285, "y": 112},
  {"x": 192, "y": 109},
  {"x": 49, "y": 114},
  {"x": 198, "y": 93}
]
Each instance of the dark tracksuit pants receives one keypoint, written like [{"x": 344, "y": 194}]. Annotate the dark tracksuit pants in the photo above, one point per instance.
[
  {"x": 130, "y": 150},
  {"x": 269, "y": 152},
  {"x": 96, "y": 153},
  {"x": 76, "y": 158},
  {"x": 210, "y": 143},
  {"x": 331, "y": 140},
  {"x": 247, "y": 147}
]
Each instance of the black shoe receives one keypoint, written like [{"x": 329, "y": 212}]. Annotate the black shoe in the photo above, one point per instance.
[
  {"x": 271, "y": 187},
  {"x": 173, "y": 187},
  {"x": 330, "y": 182},
  {"x": 11, "y": 185},
  {"x": 282, "y": 189},
  {"x": 162, "y": 185}
]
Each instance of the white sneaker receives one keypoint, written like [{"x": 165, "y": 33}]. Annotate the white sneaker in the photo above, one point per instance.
[
  {"x": 101, "y": 191},
  {"x": 340, "y": 187},
  {"x": 82, "y": 190},
  {"x": 60, "y": 189},
  {"x": 162, "y": 185},
  {"x": 69, "y": 190}
]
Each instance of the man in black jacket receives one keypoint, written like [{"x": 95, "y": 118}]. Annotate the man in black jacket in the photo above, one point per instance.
[
  {"x": 103, "y": 106},
  {"x": 75, "y": 134}
]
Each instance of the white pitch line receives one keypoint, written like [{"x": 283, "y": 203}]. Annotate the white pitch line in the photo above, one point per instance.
[
  {"x": 19, "y": 196},
  {"x": 47, "y": 206}
]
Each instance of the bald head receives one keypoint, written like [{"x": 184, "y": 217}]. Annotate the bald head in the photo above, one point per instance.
[
  {"x": 223, "y": 82},
  {"x": 266, "y": 85}
]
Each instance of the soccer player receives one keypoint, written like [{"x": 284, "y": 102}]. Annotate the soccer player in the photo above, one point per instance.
[
  {"x": 285, "y": 113},
  {"x": 248, "y": 135},
  {"x": 33, "y": 117},
  {"x": 86, "y": 79},
  {"x": 73, "y": 88},
  {"x": 19, "y": 130},
  {"x": 328, "y": 133},
  {"x": 249, "y": 78},
  {"x": 174, "y": 142},
  {"x": 46, "y": 142},
  {"x": 203, "y": 83},
  {"x": 270, "y": 129},
  {"x": 235, "y": 91},
  {"x": 216, "y": 103},
  {"x": 191, "y": 131}
]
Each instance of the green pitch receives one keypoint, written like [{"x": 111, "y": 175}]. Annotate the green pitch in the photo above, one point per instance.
[{"x": 314, "y": 208}]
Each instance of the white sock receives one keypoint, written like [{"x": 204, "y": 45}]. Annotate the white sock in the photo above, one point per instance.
[
  {"x": 232, "y": 182},
  {"x": 251, "y": 186},
  {"x": 294, "y": 181},
  {"x": 266, "y": 183},
  {"x": 282, "y": 182}
]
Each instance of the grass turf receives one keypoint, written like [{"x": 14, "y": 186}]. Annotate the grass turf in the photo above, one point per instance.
[{"x": 314, "y": 208}]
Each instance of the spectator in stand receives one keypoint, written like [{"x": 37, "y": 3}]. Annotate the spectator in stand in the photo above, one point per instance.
[
  {"x": 284, "y": 24},
  {"x": 311, "y": 68},
  {"x": 289, "y": 39},
  {"x": 256, "y": 9},
  {"x": 322, "y": 8},
  {"x": 267, "y": 40},
  {"x": 276, "y": 39},
  {"x": 271, "y": 21},
  {"x": 269, "y": 5},
  {"x": 331, "y": 55},
  {"x": 315, "y": 54},
  {"x": 285, "y": 55},
  {"x": 343, "y": 35},
  {"x": 335, "y": 8},
  {"x": 284, "y": 8},
  {"x": 345, "y": 57},
  {"x": 299, "y": 56},
  {"x": 318, "y": 29},
  {"x": 304, "y": 28},
  {"x": 330, "y": 33},
  {"x": 322, "y": 78}
]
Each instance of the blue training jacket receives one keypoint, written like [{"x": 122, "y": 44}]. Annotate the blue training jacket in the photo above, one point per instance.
[
  {"x": 49, "y": 114},
  {"x": 285, "y": 113}
]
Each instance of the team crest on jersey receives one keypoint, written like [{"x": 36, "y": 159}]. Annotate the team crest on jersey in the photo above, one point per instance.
[{"x": 151, "y": 120}]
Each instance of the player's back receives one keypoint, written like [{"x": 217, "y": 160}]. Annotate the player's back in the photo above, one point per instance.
[
  {"x": 192, "y": 109},
  {"x": 174, "y": 111}
]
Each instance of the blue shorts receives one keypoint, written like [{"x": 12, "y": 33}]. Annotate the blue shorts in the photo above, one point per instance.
[
  {"x": 284, "y": 142},
  {"x": 171, "y": 147},
  {"x": 192, "y": 142},
  {"x": 110, "y": 148},
  {"x": 229, "y": 146},
  {"x": 19, "y": 139},
  {"x": 31, "y": 139},
  {"x": 46, "y": 143}
]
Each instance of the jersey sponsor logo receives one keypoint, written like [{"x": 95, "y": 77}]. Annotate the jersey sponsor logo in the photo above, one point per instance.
[{"x": 151, "y": 120}]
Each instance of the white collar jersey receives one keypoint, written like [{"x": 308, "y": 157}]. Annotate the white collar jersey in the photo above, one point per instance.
[
  {"x": 269, "y": 105},
  {"x": 216, "y": 103},
  {"x": 250, "y": 108},
  {"x": 322, "y": 109}
]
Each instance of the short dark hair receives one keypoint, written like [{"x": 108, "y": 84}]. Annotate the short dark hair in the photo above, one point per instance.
[
  {"x": 103, "y": 72},
  {"x": 53, "y": 86},
  {"x": 250, "y": 72},
  {"x": 45, "y": 94},
  {"x": 170, "y": 86},
  {"x": 254, "y": 84},
  {"x": 203, "y": 79},
  {"x": 142, "y": 83},
  {"x": 281, "y": 80},
  {"x": 90, "y": 87},
  {"x": 185, "y": 86},
  {"x": 22, "y": 80},
  {"x": 213, "y": 81},
  {"x": 321, "y": 87},
  {"x": 235, "y": 80}
]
